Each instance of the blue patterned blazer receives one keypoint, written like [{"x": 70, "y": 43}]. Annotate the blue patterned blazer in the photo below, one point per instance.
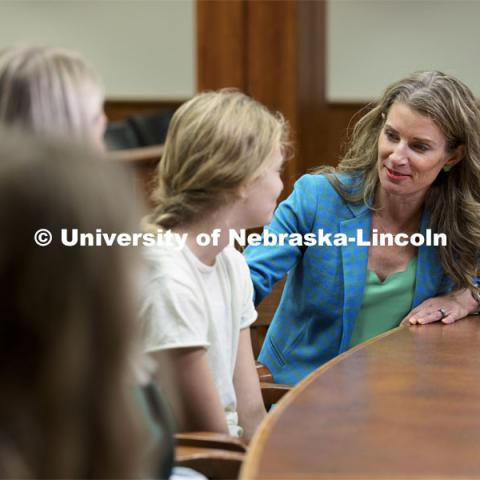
[{"x": 324, "y": 290}]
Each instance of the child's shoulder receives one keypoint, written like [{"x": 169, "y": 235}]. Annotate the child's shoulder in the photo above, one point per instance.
[
  {"x": 162, "y": 253},
  {"x": 233, "y": 258},
  {"x": 166, "y": 261},
  {"x": 232, "y": 254}
]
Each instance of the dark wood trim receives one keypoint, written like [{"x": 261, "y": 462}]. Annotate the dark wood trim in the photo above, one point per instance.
[
  {"x": 221, "y": 44},
  {"x": 119, "y": 109},
  {"x": 311, "y": 59},
  {"x": 275, "y": 52},
  {"x": 272, "y": 76}
]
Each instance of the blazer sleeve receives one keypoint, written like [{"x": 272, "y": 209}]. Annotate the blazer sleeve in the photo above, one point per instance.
[{"x": 269, "y": 263}]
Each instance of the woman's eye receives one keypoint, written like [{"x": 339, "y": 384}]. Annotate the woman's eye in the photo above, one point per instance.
[
  {"x": 391, "y": 136},
  {"x": 420, "y": 147}
]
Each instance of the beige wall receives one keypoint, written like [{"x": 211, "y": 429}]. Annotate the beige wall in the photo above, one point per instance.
[
  {"x": 372, "y": 43},
  {"x": 144, "y": 49}
]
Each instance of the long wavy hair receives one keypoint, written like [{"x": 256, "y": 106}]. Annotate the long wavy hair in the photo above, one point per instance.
[
  {"x": 67, "y": 317},
  {"x": 453, "y": 200},
  {"x": 216, "y": 142}
]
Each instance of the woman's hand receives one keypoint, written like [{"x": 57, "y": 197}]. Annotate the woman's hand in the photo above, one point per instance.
[{"x": 446, "y": 308}]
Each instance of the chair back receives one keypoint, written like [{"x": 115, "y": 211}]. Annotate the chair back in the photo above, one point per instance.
[{"x": 266, "y": 311}]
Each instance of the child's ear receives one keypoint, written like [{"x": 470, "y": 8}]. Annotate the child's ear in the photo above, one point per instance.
[{"x": 242, "y": 192}]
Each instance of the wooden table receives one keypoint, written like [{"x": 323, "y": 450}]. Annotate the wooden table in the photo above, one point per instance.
[{"x": 403, "y": 405}]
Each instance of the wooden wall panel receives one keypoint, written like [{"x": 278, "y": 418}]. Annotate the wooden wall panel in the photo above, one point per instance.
[
  {"x": 271, "y": 63},
  {"x": 273, "y": 51},
  {"x": 334, "y": 127},
  {"x": 221, "y": 28},
  {"x": 311, "y": 58},
  {"x": 119, "y": 109},
  {"x": 271, "y": 67}
]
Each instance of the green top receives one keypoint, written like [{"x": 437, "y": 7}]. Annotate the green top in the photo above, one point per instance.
[{"x": 384, "y": 304}]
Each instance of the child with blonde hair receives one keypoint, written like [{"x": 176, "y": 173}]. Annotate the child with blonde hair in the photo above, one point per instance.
[
  {"x": 52, "y": 92},
  {"x": 220, "y": 172}
]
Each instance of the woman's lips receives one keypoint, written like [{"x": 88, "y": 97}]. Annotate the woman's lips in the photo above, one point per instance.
[{"x": 394, "y": 175}]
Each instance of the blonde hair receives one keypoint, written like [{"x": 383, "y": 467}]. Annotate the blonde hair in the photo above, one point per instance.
[
  {"x": 453, "y": 200},
  {"x": 49, "y": 91},
  {"x": 216, "y": 142}
]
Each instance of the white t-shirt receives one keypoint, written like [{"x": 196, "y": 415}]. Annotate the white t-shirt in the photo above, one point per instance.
[{"x": 190, "y": 304}]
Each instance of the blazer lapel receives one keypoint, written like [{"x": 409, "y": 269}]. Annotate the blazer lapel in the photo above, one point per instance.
[
  {"x": 354, "y": 263},
  {"x": 429, "y": 268}
]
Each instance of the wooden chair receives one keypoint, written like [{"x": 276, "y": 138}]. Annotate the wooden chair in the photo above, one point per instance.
[
  {"x": 214, "y": 440},
  {"x": 211, "y": 462},
  {"x": 264, "y": 374},
  {"x": 216, "y": 455},
  {"x": 266, "y": 311},
  {"x": 273, "y": 393}
]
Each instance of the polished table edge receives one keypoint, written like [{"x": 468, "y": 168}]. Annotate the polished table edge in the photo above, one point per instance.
[{"x": 250, "y": 467}]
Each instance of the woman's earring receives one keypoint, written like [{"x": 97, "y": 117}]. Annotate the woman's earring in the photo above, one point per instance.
[{"x": 447, "y": 168}]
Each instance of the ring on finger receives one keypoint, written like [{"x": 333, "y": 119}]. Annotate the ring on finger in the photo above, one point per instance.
[{"x": 443, "y": 312}]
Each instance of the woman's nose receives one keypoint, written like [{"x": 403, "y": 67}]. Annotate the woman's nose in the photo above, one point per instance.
[{"x": 399, "y": 154}]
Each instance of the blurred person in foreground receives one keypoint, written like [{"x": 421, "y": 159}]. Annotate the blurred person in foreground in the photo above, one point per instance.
[
  {"x": 52, "y": 92},
  {"x": 68, "y": 330}
]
